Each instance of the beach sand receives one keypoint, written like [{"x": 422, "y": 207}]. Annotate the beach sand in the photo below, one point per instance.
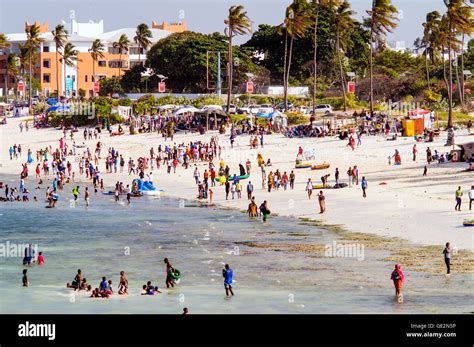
[{"x": 408, "y": 206}]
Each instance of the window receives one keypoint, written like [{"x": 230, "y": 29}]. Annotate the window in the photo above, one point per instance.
[
  {"x": 46, "y": 49},
  {"x": 115, "y": 64},
  {"x": 46, "y": 63},
  {"x": 46, "y": 78},
  {"x": 85, "y": 78},
  {"x": 135, "y": 50},
  {"x": 102, "y": 63},
  {"x": 113, "y": 50}
]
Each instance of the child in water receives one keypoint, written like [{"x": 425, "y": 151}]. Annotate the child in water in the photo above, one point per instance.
[
  {"x": 40, "y": 258},
  {"x": 25, "y": 279}
]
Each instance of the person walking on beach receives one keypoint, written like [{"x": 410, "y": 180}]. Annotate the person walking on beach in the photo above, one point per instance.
[
  {"x": 363, "y": 184},
  {"x": 249, "y": 190},
  {"x": 349, "y": 176},
  {"x": 447, "y": 257},
  {"x": 425, "y": 170},
  {"x": 429, "y": 156},
  {"x": 471, "y": 197},
  {"x": 309, "y": 188},
  {"x": 322, "y": 202},
  {"x": 398, "y": 278},
  {"x": 227, "y": 273},
  {"x": 458, "y": 199},
  {"x": 336, "y": 175},
  {"x": 415, "y": 151},
  {"x": 292, "y": 180}
]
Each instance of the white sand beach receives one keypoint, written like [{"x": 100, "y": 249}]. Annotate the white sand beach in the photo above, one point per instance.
[{"x": 410, "y": 206}]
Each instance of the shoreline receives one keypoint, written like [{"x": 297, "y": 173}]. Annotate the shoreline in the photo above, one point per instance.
[{"x": 388, "y": 211}]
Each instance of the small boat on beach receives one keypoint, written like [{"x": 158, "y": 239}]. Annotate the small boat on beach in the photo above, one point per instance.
[
  {"x": 320, "y": 166},
  {"x": 468, "y": 223},
  {"x": 303, "y": 165}
]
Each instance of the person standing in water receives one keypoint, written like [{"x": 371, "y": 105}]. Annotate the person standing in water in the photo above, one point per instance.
[
  {"x": 309, "y": 188},
  {"x": 87, "y": 196},
  {"x": 398, "y": 278},
  {"x": 447, "y": 257},
  {"x": 227, "y": 273},
  {"x": 322, "y": 202},
  {"x": 75, "y": 192},
  {"x": 264, "y": 210},
  {"x": 25, "y": 281},
  {"x": 169, "y": 267}
]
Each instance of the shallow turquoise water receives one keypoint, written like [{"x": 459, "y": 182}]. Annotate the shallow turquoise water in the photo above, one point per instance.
[{"x": 199, "y": 241}]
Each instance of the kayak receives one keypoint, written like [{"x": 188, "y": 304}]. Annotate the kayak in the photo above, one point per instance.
[
  {"x": 320, "y": 166},
  {"x": 468, "y": 223},
  {"x": 320, "y": 186},
  {"x": 243, "y": 177},
  {"x": 302, "y": 165}
]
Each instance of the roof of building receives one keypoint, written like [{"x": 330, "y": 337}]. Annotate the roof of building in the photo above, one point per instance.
[{"x": 113, "y": 36}]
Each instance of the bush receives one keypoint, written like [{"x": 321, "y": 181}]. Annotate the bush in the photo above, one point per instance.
[{"x": 296, "y": 118}]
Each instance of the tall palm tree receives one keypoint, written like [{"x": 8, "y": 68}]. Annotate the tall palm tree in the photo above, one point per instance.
[
  {"x": 430, "y": 41},
  {"x": 122, "y": 45},
  {"x": 383, "y": 17},
  {"x": 11, "y": 70},
  {"x": 297, "y": 22},
  {"x": 238, "y": 23},
  {"x": 142, "y": 38},
  {"x": 458, "y": 16},
  {"x": 60, "y": 37},
  {"x": 69, "y": 58},
  {"x": 4, "y": 44},
  {"x": 344, "y": 23},
  {"x": 96, "y": 52},
  {"x": 32, "y": 44}
]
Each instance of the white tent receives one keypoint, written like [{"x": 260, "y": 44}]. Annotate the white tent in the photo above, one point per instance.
[{"x": 185, "y": 109}]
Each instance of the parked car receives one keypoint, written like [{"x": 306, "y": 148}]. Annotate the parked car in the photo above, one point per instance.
[
  {"x": 305, "y": 109},
  {"x": 266, "y": 108},
  {"x": 243, "y": 110},
  {"x": 232, "y": 108},
  {"x": 254, "y": 109},
  {"x": 211, "y": 107},
  {"x": 281, "y": 106},
  {"x": 323, "y": 108}
]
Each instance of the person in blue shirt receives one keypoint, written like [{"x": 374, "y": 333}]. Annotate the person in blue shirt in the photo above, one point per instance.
[
  {"x": 363, "y": 184},
  {"x": 103, "y": 285},
  {"x": 227, "y": 273}
]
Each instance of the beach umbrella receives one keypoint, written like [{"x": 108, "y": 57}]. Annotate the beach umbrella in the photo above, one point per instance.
[
  {"x": 263, "y": 115},
  {"x": 186, "y": 109},
  {"x": 52, "y": 101}
]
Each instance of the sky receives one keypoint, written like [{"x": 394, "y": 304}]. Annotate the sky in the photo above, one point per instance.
[{"x": 204, "y": 16}]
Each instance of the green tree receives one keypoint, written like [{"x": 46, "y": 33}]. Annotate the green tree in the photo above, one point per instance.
[
  {"x": 238, "y": 23},
  {"x": 69, "y": 58},
  {"x": 122, "y": 45},
  {"x": 110, "y": 86},
  {"x": 382, "y": 20},
  {"x": 297, "y": 22},
  {"x": 60, "y": 37},
  {"x": 142, "y": 38},
  {"x": 96, "y": 52},
  {"x": 344, "y": 24},
  {"x": 32, "y": 44},
  {"x": 4, "y": 45}
]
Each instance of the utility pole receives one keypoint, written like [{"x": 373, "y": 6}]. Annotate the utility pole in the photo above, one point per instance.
[{"x": 219, "y": 86}]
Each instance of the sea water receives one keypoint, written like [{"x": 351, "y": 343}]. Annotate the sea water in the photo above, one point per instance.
[{"x": 109, "y": 237}]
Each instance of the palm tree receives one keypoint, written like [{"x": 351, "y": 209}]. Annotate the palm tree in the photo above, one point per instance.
[
  {"x": 238, "y": 23},
  {"x": 458, "y": 16},
  {"x": 69, "y": 58},
  {"x": 32, "y": 44},
  {"x": 430, "y": 40},
  {"x": 142, "y": 38},
  {"x": 11, "y": 70},
  {"x": 96, "y": 52},
  {"x": 4, "y": 44},
  {"x": 60, "y": 37},
  {"x": 297, "y": 21},
  {"x": 344, "y": 23},
  {"x": 122, "y": 45},
  {"x": 382, "y": 21}
]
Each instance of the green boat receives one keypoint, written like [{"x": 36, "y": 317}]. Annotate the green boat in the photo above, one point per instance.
[{"x": 217, "y": 179}]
